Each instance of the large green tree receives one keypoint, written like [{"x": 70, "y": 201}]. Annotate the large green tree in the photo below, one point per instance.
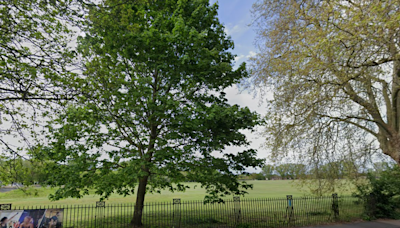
[
  {"x": 334, "y": 69},
  {"x": 152, "y": 112}
]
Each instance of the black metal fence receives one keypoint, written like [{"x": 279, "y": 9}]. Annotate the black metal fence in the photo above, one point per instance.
[{"x": 238, "y": 212}]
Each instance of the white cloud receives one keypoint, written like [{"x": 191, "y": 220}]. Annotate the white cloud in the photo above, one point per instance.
[
  {"x": 246, "y": 99},
  {"x": 251, "y": 54},
  {"x": 243, "y": 57},
  {"x": 239, "y": 57},
  {"x": 238, "y": 29}
]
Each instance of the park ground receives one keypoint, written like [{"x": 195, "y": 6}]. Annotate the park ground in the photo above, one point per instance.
[{"x": 261, "y": 189}]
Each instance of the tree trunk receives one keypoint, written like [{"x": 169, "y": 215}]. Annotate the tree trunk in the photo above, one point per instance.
[
  {"x": 390, "y": 145},
  {"x": 395, "y": 149},
  {"x": 141, "y": 192}
]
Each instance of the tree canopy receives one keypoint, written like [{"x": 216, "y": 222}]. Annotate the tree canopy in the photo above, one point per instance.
[
  {"x": 334, "y": 69},
  {"x": 268, "y": 171},
  {"x": 34, "y": 57},
  {"x": 22, "y": 171},
  {"x": 152, "y": 112}
]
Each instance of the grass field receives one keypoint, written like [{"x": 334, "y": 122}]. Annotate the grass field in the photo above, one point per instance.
[
  {"x": 160, "y": 212},
  {"x": 261, "y": 189}
]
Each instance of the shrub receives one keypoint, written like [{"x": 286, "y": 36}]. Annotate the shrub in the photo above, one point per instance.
[
  {"x": 243, "y": 225},
  {"x": 381, "y": 194}
]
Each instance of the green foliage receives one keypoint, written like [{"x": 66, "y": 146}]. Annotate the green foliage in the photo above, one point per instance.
[
  {"x": 152, "y": 108},
  {"x": 317, "y": 213},
  {"x": 21, "y": 171},
  {"x": 285, "y": 171},
  {"x": 381, "y": 195},
  {"x": 28, "y": 191},
  {"x": 282, "y": 170},
  {"x": 202, "y": 221},
  {"x": 379, "y": 167},
  {"x": 331, "y": 177},
  {"x": 243, "y": 225},
  {"x": 252, "y": 176},
  {"x": 268, "y": 171},
  {"x": 260, "y": 176}
]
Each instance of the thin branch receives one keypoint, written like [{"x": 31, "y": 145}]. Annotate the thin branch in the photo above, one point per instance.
[{"x": 347, "y": 120}]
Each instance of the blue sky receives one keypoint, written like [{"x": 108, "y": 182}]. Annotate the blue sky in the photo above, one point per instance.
[{"x": 236, "y": 16}]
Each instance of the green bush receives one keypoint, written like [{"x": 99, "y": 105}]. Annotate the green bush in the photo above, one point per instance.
[
  {"x": 195, "y": 221},
  {"x": 381, "y": 194},
  {"x": 243, "y": 225}
]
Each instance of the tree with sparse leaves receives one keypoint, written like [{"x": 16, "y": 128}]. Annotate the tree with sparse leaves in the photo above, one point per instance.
[
  {"x": 268, "y": 171},
  {"x": 34, "y": 61},
  {"x": 282, "y": 170},
  {"x": 334, "y": 70},
  {"x": 152, "y": 113}
]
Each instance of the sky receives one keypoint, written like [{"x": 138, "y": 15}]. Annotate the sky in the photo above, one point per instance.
[{"x": 236, "y": 16}]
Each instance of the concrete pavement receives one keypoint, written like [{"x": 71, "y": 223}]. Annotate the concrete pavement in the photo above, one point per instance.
[{"x": 380, "y": 223}]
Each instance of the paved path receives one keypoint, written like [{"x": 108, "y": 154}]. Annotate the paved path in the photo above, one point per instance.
[
  {"x": 381, "y": 223},
  {"x": 7, "y": 189}
]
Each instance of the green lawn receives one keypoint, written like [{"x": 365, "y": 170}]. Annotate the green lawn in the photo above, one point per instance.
[
  {"x": 262, "y": 189},
  {"x": 160, "y": 212}
]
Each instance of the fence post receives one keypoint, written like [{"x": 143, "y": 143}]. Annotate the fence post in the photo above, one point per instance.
[
  {"x": 177, "y": 212},
  {"x": 100, "y": 208},
  {"x": 237, "y": 209},
  {"x": 335, "y": 206},
  {"x": 289, "y": 208},
  {"x": 4, "y": 207}
]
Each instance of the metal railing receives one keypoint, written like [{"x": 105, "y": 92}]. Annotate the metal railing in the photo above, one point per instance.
[{"x": 237, "y": 212}]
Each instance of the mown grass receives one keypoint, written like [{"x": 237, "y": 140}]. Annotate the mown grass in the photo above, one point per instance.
[
  {"x": 247, "y": 213},
  {"x": 262, "y": 189},
  {"x": 160, "y": 212}
]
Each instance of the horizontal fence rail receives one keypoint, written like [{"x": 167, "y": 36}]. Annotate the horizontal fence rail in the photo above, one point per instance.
[{"x": 236, "y": 212}]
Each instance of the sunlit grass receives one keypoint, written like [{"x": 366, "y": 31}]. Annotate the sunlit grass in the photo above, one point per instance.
[
  {"x": 256, "y": 208},
  {"x": 261, "y": 189}
]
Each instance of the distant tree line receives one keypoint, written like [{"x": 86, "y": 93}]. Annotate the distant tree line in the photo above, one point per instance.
[
  {"x": 283, "y": 171},
  {"x": 21, "y": 172},
  {"x": 331, "y": 170}
]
